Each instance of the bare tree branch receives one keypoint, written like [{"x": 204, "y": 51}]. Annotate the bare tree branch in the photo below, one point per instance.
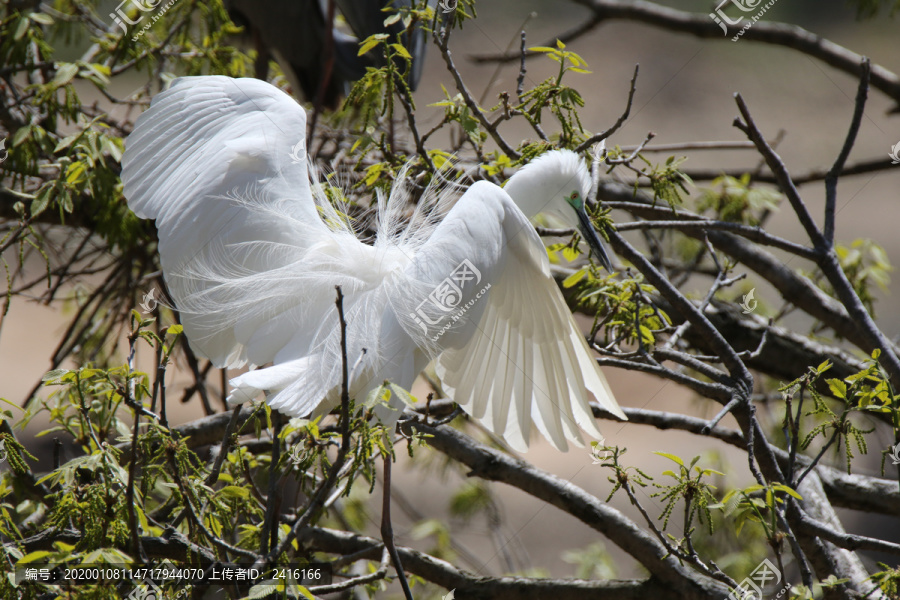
[
  {"x": 493, "y": 465},
  {"x": 700, "y": 25},
  {"x": 475, "y": 587}
]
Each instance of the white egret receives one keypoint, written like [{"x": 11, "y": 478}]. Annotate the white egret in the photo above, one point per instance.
[{"x": 251, "y": 257}]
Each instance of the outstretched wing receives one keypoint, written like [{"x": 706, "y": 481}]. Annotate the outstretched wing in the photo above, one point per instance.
[
  {"x": 220, "y": 164},
  {"x": 513, "y": 354}
]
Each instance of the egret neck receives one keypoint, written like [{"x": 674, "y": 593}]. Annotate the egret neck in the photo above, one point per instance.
[{"x": 556, "y": 184}]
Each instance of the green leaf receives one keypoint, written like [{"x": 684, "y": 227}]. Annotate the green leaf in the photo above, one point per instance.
[
  {"x": 42, "y": 200},
  {"x": 33, "y": 556},
  {"x": 399, "y": 49},
  {"x": 368, "y": 45},
  {"x": 402, "y": 394},
  {"x": 42, "y": 18},
  {"x": 671, "y": 457},
  {"x": 66, "y": 142},
  {"x": 838, "y": 388},
  {"x": 64, "y": 74},
  {"x": 233, "y": 491},
  {"x": 54, "y": 375},
  {"x": 370, "y": 42},
  {"x": 74, "y": 172},
  {"x": 790, "y": 492},
  {"x": 380, "y": 394},
  {"x": 569, "y": 253},
  {"x": 21, "y": 29},
  {"x": 262, "y": 590},
  {"x": 575, "y": 277}
]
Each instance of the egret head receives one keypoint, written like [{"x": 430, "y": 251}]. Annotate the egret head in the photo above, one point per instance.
[{"x": 557, "y": 183}]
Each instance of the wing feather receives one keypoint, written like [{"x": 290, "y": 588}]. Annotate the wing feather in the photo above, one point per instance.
[
  {"x": 211, "y": 161},
  {"x": 524, "y": 362}
]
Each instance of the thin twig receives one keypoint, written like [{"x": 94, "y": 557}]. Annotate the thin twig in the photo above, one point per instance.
[
  {"x": 224, "y": 447},
  {"x": 442, "y": 42},
  {"x": 818, "y": 457},
  {"x": 776, "y": 165},
  {"x": 619, "y": 122},
  {"x": 322, "y": 492},
  {"x": 387, "y": 531},
  {"x": 136, "y": 546},
  {"x": 269, "y": 533},
  {"x": 701, "y": 26},
  {"x": 832, "y": 178},
  {"x": 351, "y": 583}
]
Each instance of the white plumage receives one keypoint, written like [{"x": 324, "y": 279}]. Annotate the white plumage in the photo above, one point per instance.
[{"x": 252, "y": 252}]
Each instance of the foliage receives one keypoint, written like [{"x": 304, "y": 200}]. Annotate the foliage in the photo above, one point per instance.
[{"x": 735, "y": 200}]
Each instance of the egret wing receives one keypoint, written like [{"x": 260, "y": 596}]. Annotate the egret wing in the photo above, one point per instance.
[
  {"x": 220, "y": 164},
  {"x": 524, "y": 359}
]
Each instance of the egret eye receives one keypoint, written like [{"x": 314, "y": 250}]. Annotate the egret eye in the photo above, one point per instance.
[{"x": 574, "y": 200}]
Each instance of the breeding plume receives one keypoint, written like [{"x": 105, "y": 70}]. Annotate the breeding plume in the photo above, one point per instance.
[{"x": 252, "y": 251}]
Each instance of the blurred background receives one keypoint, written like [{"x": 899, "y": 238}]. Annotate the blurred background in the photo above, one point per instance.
[{"x": 684, "y": 94}]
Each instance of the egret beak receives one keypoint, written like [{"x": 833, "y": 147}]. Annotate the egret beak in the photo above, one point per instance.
[{"x": 591, "y": 237}]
